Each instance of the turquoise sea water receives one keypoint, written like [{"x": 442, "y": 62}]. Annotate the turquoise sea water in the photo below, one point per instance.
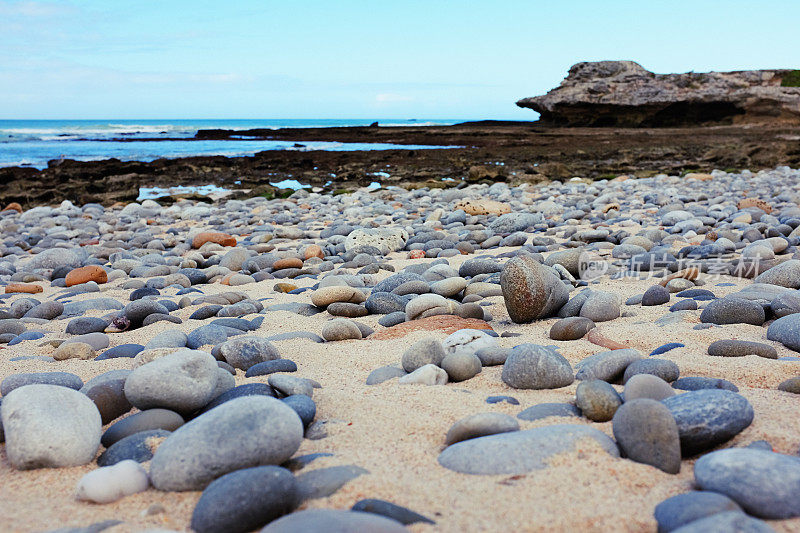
[{"x": 33, "y": 143}]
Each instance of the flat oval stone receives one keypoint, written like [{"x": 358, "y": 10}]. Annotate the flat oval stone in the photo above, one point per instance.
[
  {"x": 699, "y": 383},
  {"x": 241, "y": 433},
  {"x": 245, "y": 500},
  {"x": 269, "y": 367},
  {"x": 519, "y": 452},
  {"x": 647, "y": 386},
  {"x": 708, "y": 417},
  {"x": 530, "y": 366},
  {"x": 571, "y": 328},
  {"x": 62, "y": 379},
  {"x": 143, "y": 421},
  {"x": 123, "y": 350},
  {"x": 480, "y": 425},
  {"x": 544, "y": 410},
  {"x": 244, "y": 352},
  {"x": 731, "y": 310},
  {"x": 334, "y": 520},
  {"x": 608, "y": 366},
  {"x": 737, "y": 348},
  {"x": 389, "y": 510},
  {"x": 662, "y": 368},
  {"x": 138, "y": 447},
  {"x": 765, "y": 484}
]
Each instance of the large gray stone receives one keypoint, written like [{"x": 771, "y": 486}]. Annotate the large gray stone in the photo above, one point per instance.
[
  {"x": 182, "y": 381},
  {"x": 519, "y": 452},
  {"x": 241, "y": 433},
  {"x": 646, "y": 431},
  {"x": 786, "y": 274},
  {"x": 708, "y": 417},
  {"x": 334, "y": 521},
  {"x": 731, "y": 310},
  {"x": 683, "y": 509},
  {"x": 244, "y": 352},
  {"x": 531, "y": 366},
  {"x": 608, "y": 366},
  {"x": 49, "y": 426},
  {"x": 765, "y": 484},
  {"x": 786, "y": 330}
]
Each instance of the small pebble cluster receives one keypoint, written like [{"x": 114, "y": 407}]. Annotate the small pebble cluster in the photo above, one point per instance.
[{"x": 161, "y": 346}]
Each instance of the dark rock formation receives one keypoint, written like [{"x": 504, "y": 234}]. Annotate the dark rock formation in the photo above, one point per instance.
[{"x": 624, "y": 94}]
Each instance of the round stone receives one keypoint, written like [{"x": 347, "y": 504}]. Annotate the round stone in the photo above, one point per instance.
[
  {"x": 241, "y": 433},
  {"x": 530, "y": 366},
  {"x": 530, "y": 290},
  {"x": 461, "y": 366},
  {"x": 111, "y": 483},
  {"x": 647, "y": 386},
  {"x": 571, "y": 328},
  {"x": 597, "y": 400},
  {"x": 646, "y": 431},
  {"x": 786, "y": 330},
  {"x": 138, "y": 447},
  {"x": 423, "y": 352},
  {"x": 663, "y": 368},
  {"x": 655, "y": 295},
  {"x": 244, "y": 352},
  {"x": 47, "y": 426},
  {"x": 685, "y": 508}
]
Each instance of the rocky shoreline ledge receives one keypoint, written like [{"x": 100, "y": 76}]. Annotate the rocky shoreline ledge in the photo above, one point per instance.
[
  {"x": 549, "y": 353},
  {"x": 513, "y": 152}
]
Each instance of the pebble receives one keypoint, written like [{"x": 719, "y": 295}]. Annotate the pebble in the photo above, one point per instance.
[
  {"x": 597, "y": 400},
  {"x": 150, "y": 419},
  {"x": 394, "y": 512},
  {"x": 461, "y": 366},
  {"x": 684, "y": 509},
  {"x": 786, "y": 330},
  {"x": 732, "y": 310},
  {"x": 240, "y": 433},
  {"x": 693, "y": 383},
  {"x": 423, "y": 352},
  {"x": 246, "y": 352},
  {"x": 480, "y": 425},
  {"x": 531, "y": 366},
  {"x": 245, "y": 500},
  {"x": 708, "y": 417},
  {"x": 727, "y": 521},
  {"x": 663, "y": 368},
  {"x": 544, "y": 410},
  {"x": 289, "y": 385},
  {"x": 647, "y": 386},
  {"x": 47, "y": 426},
  {"x": 607, "y": 366},
  {"x": 737, "y": 348},
  {"x": 74, "y": 350},
  {"x": 384, "y": 373},
  {"x": 646, "y": 431},
  {"x": 655, "y": 295},
  {"x": 110, "y": 483},
  {"x": 518, "y": 452},
  {"x": 270, "y": 367},
  {"x": 763, "y": 483},
  {"x": 137, "y": 447},
  {"x": 429, "y": 374},
  {"x": 530, "y": 290},
  {"x": 333, "y": 520},
  {"x": 340, "y": 329},
  {"x": 571, "y": 328}
]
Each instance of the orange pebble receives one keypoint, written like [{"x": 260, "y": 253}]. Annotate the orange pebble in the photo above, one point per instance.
[
  {"x": 28, "y": 288},
  {"x": 13, "y": 206},
  {"x": 289, "y": 262},
  {"x": 222, "y": 239},
  {"x": 313, "y": 250},
  {"x": 86, "y": 274},
  {"x": 416, "y": 254}
]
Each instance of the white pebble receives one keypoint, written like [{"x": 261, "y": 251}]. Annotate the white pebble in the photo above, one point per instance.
[{"x": 110, "y": 483}]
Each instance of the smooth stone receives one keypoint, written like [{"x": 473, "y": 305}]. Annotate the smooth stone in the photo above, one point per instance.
[
  {"x": 109, "y": 398},
  {"x": 601, "y": 307},
  {"x": 390, "y": 510},
  {"x": 98, "y": 341},
  {"x": 662, "y": 368},
  {"x": 708, "y": 417},
  {"x": 493, "y": 356},
  {"x": 764, "y": 484},
  {"x": 392, "y": 319},
  {"x": 737, "y": 348},
  {"x": 304, "y": 406},
  {"x": 62, "y": 379},
  {"x": 248, "y": 389},
  {"x": 110, "y": 483},
  {"x": 647, "y": 386},
  {"x": 384, "y": 373},
  {"x": 685, "y": 508},
  {"x": 269, "y": 367},
  {"x": 791, "y": 385},
  {"x": 518, "y": 452},
  {"x": 241, "y": 433},
  {"x": 289, "y": 385},
  {"x": 425, "y": 375},
  {"x": 245, "y": 500},
  {"x": 655, "y": 295},
  {"x": 182, "y": 381},
  {"x": 245, "y": 352},
  {"x": 467, "y": 341},
  {"x": 500, "y": 399},
  {"x": 571, "y": 328},
  {"x": 86, "y": 324},
  {"x": 480, "y": 425},
  {"x": 530, "y": 290},
  {"x": 646, "y": 431},
  {"x": 726, "y": 522},
  {"x": 340, "y": 329},
  {"x": 786, "y": 274},
  {"x": 597, "y": 400},
  {"x": 123, "y": 350},
  {"x": 150, "y": 419},
  {"x": 731, "y": 310},
  {"x": 74, "y": 350},
  {"x": 334, "y": 520},
  {"x": 608, "y": 366},
  {"x": 171, "y": 338},
  {"x": 693, "y": 383},
  {"x": 786, "y": 330},
  {"x": 423, "y": 352},
  {"x": 323, "y": 482},
  {"x": 544, "y": 410},
  {"x": 461, "y": 366},
  {"x": 48, "y": 426},
  {"x": 137, "y": 447},
  {"x": 664, "y": 348},
  {"x": 531, "y": 366}
]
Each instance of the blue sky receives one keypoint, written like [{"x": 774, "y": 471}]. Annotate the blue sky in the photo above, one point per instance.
[{"x": 356, "y": 59}]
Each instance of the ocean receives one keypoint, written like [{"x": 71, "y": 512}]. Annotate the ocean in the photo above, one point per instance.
[{"x": 32, "y": 143}]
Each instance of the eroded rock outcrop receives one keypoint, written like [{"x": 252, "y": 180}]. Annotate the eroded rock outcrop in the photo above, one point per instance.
[{"x": 623, "y": 93}]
